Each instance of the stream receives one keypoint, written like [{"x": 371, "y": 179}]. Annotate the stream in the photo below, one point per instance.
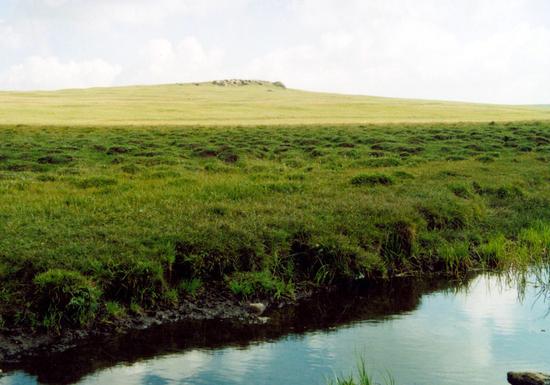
[{"x": 419, "y": 331}]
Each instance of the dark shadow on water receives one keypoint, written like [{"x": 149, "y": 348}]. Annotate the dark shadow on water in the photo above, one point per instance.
[{"x": 365, "y": 301}]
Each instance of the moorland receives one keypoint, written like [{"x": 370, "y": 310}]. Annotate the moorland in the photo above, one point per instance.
[{"x": 119, "y": 201}]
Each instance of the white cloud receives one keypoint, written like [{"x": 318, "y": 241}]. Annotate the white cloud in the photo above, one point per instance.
[
  {"x": 489, "y": 311},
  {"x": 401, "y": 48},
  {"x": 244, "y": 363},
  {"x": 38, "y": 72},
  {"x": 125, "y": 11},
  {"x": 55, "y": 3},
  {"x": 9, "y": 38},
  {"x": 174, "y": 368},
  {"x": 162, "y": 61},
  {"x": 479, "y": 50}
]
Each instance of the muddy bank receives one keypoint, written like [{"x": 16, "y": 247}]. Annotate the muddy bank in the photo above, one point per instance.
[{"x": 20, "y": 344}]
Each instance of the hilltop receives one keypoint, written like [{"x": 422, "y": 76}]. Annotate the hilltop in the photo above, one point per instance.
[{"x": 238, "y": 102}]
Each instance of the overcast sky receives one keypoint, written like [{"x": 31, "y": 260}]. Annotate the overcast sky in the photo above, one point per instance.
[{"x": 475, "y": 50}]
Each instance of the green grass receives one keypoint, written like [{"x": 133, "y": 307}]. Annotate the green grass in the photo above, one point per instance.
[
  {"x": 115, "y": 201},
  {"x": 265, "y": 104},
  {"x": 362, "y": 377},
  {"x": 98, "y": 222}
]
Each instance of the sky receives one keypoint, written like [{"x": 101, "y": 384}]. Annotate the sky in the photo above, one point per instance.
[{"x": 495, "y": 51}]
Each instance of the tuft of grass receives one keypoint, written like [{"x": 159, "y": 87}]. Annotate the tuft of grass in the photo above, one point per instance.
[
  {"x": 494, "y": 250},
  {"x": 371, "y": 180},
  {"x": 461, "y": 190},
  {"x": 171, "y": 297},
  {"x": 190, "y": 286},
  {"x": 65, "y": 297},
  {"x": 136, "y": 281},
  {"x": 114, "y": 310},
  {"x": 95, "y": 182},
  {"x": 456, "y": 256},
  {"x": 450, "y": 214},
  {"x": 136, "y": 309},
  {"x": 537, "y": 239},
  {"x": 361, "y": 377},
  {"x": 259, "y": 284}
]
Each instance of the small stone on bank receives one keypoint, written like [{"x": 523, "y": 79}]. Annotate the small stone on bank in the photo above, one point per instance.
[{"x": 257, "y": 308}]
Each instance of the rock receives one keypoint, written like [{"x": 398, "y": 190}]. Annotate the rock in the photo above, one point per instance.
[
  {"x": 245, "y": 82},
  {"x": 257, "y": 308},
  {"x": 528, "y": 378}
]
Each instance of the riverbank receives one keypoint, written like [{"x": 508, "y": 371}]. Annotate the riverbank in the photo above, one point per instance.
[
  {"x": 104, "y": 224},
  {"x": 86, "y": 352},
  {"x": 20, "y": 345}
]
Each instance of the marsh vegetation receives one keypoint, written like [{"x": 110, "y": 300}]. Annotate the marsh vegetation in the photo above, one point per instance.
[{"x": 101, "y": 222}]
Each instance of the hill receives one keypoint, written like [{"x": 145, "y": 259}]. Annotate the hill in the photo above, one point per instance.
[{"x": 237, "y": 103}]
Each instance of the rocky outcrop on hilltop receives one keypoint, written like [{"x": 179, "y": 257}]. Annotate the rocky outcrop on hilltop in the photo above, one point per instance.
[{"x": 244, "y": 82}]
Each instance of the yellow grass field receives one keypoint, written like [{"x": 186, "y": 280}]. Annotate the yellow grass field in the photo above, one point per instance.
[{"x": 254, "y": 104}]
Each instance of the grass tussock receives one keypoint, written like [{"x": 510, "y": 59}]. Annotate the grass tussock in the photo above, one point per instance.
[
  {"x": 100, "y": 223},
  {"x": 361, "y": 377},
  {"x": 371, "y": 180}
]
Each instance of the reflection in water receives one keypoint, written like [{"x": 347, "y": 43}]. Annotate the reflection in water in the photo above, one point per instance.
[{"x": 423, "y": 332}]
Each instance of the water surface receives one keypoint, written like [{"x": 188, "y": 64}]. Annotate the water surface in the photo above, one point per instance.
[{"x": 423, "y": 332}]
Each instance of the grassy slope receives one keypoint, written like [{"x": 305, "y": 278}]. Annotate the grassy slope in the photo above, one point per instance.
[
  {"x": 105, "y": 220},
  {"x": 209, "y": 104}
]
